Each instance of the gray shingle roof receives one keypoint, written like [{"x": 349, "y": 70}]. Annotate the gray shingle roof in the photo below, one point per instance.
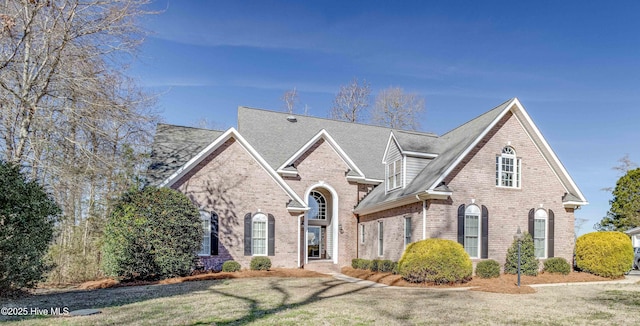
[
  {"x": 277, "y": 139},
  {"x": 173, "y": 146},
  {"x": 448, "y": 147},
  {"x": 417, "y": 142}
]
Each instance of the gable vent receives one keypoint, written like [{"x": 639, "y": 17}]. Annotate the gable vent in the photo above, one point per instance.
[{"x": 292, "y": 119}]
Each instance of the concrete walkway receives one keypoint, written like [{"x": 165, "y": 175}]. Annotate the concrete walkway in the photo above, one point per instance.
[{"x": 628, "y": 279}]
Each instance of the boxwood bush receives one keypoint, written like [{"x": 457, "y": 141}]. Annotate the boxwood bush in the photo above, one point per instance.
[
  {"x": 488, "y": 269},
  {"x": 386, "y": 266},
  {"x": 557, "y": 265},
  {"x": 231, "y": 266},
  {"x": 435, "y": 260},
  {"x": 607, "y": 254},
  {"x": 260, "y": 263}
]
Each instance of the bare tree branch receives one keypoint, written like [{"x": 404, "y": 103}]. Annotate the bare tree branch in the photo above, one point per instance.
[
  {"x": 351, "y": 102},
  {"x": 396, "y": 109}
]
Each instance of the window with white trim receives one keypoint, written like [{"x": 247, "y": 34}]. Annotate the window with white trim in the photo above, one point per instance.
[
  {"x": 540, "y": 233},
  {"x": 205, "y": 218},
  {"x": 317, "y": 206},
  {"x": 394, "y": 174},
  {"x": 508, "y": 167},
  {"x": 380, "y": 239},
  {"x": 259, "y": 235},
  {"x": 472, "y": 231},
  {"x": 361, "y": 233},
  {"x": 407, "y": 231}
]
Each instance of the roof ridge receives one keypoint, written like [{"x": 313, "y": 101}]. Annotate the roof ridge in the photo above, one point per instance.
[
  {"x": 487, "y": 112},
  {"x": 190, "y": 127},
  {"x": 333, "y": 120}
]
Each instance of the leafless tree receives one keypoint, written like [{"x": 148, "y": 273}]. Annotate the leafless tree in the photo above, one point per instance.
[
  {"x": 396, "y": 109},
  {"x": 68, "y": 113},
  {"x": 290, "y": 99},
  {"x": 351, "y": 102}
]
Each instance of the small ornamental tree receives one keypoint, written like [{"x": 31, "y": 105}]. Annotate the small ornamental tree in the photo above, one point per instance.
[
  {"x": 529, "y": 264},
  {"x": 152, "y": 233},
  {"x": 27, "y": 216}
]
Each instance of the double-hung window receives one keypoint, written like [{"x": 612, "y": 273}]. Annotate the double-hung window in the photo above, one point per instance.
[
  {"x": 259, "y": 235},
  {"x": 472, "y": 231},
  {"x": 508, "y": 167},
  {"x": 540, "y": 233},
  {"x": 394, "y": 174}
]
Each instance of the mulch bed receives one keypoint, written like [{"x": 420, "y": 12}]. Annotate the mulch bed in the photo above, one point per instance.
[
  {"x": 276, "y": 272},
  {"x": 506, "y": 283}
]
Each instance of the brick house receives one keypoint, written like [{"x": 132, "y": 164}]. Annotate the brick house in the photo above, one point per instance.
[{"x": 304, "y": 190}]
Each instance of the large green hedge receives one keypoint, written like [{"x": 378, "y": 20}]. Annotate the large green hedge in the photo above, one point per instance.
[
  {"x": 152, "y": 233},
  {"x": 529, "y": 264},
  {"x": 27, "y": 216},
  {"x": 607, "y": 254},
  {"x": 435, "y": 260}
]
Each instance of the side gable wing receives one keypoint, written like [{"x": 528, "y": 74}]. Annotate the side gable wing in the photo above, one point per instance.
[{"x": 296, "y": 204}]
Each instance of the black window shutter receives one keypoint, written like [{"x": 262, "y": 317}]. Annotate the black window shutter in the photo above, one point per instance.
[
  {"x": 461, "y": 224},
  {"x": 550, "y": 242},
  {"x": 532, "y": 216},
  {"x": 214, "y": 234},
  {"x": 272, "y": 235},
  {"x": 247, "y": 234},
  {"x": 485, "y": 233}
]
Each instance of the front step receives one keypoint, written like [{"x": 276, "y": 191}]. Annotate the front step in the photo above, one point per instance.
[{"x": 322, "y": 266}]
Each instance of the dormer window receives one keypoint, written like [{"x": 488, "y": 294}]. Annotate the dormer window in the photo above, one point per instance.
[
  {"x": 394, "y": 174},
  {"x": 508, "y": 168}
]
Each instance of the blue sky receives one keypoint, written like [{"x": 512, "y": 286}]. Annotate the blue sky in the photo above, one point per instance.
[{"x": 574, "y": 65}]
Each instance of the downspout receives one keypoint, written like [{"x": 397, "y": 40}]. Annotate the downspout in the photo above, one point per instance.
[
  {"x": 358, "y": 236},
  {"x": 299, "y": 242},
  {"x": 424, "y": 219}
]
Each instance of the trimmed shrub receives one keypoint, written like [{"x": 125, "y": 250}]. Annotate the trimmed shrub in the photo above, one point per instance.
[
  {"x": 488, "y": 269},
  {"x": 607, "y": 254},
  {"x": 27, "y": 216},
  {"x": 231, "y": 266},
  {"x": 529, "y": 264},
  {"x": 557, "y": 265},
  {"x": 355, "y": 263},
  {"x": 435, "y": 260},
  {"x": 260, "y": 263},
  {"x": 374, "y": 266},
  {"x": 386, "y": 266},
  {"x": 152, "y": 233}
]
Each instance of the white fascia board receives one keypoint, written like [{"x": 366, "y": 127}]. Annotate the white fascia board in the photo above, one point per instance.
[
  {"x": 633, "y": 231},
  {"x": 387, "y": 205},
  {"x": 392, "y": 137},
  {"x": 574, "y": 204},
  {"x": 297, "y": 209},
  {"x": 231, "y": 132},
  {"x": 286, "y": 173},
  {"x": 419, "y": 154},
  {"x": 325, "y": 135},
  {"x": 472, "y": 146},
  {"x": 549, "y": 151}
]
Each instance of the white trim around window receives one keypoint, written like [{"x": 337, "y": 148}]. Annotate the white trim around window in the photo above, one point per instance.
[
  {"x": 508, "y": 169},
  {"x": 205, "y": 249},
  {"x": 540, "y": 233},
  {"x": 472, "y": 231},
  {"x": 394, "y": 174},
  {"x": 259, "y": 235},
  {"x": 407, "y": 231},
  {"x": 361, "y": 233}
]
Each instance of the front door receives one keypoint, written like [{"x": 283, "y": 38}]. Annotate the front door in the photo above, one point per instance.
[{"x": 314, "y": 242}]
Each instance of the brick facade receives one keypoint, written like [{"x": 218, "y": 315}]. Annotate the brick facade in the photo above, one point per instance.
[
  {"x": 232, "y": 183},
  {"x": 473, "y": 181},
  {"x": 321, "y": 166}
]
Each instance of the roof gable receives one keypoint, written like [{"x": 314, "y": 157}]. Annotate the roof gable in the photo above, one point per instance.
[
  {"x": 455, "y": 145},
  {"x": 285, "y": 168},
  {"x": 296, "y": 204}
]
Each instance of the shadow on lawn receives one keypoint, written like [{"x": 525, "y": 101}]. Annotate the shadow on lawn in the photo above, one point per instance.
[{"x": 328, "y": 289}]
